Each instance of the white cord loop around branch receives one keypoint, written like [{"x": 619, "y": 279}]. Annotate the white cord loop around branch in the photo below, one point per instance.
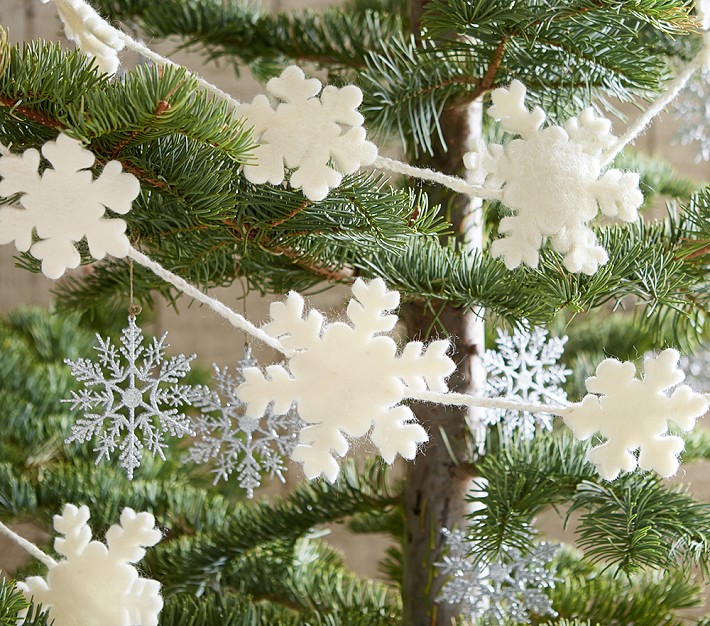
[{"x": 27, "y": 546}]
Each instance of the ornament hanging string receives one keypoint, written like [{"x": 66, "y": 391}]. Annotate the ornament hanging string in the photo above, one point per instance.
[
  {"x": 133, "y": 308},
  {"x": 27, "y": 546}
]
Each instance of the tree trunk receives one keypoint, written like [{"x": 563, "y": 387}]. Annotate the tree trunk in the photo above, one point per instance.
[{"x": 440, "y": 477}]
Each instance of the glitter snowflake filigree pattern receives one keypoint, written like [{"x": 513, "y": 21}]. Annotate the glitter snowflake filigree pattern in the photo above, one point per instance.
[
  {"x": 64, "y": 204},
  {"x": 509, "y": 590},
  {"x": 633, "y": 414},
  {"x": 241, "y": 445},
  {"x": 319, "y": 138},
  {"x": 133, "y": 405},
  {"x": 346, "y": 379},
  {"x": 96, "y": 584},
  {"x": 692, "y": 111},
  {"x": 552, "y": 178},
  {"x": 525, "y": 365}
]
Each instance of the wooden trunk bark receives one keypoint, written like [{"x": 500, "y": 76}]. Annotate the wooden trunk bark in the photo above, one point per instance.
[{"x": 438, "y": 481}]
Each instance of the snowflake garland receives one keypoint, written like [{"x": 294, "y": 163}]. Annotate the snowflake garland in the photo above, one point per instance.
[
  {"x": 96, "y": 584},
  {"x": 131, "y": 397},
  {"x": 525, "y": 365},
  {"x": 552, "y": 179},
  {"x": 318, "y": 138},
  {"x": 245, "y": 446},
  {"x": 91, "y": 33},
  {"x": 64, "y": 204},
  {"x": 511, "y": 589},
  {"x": 633, "y": 414},
  {"x": 346, "y": 379}
]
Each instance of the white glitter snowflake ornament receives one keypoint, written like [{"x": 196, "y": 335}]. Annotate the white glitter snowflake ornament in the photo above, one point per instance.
[
  {"x": 552, "y": 178},
  {"x": 64, "y": 204},
  {"x": 245, "y": 446},
  {"x": 633, "y": 414},
  {"x": 96, "y": 584},
  {"x": 692, "y": 112},
  {"x": 91, "y": 33},
  {"x": 130, "y": 405},
  {"x": 346, "y": 378},
  {"x": 526, "y": 366},
  {"x": 318, "y": 138},
  {"x": 510, "y": 590}
]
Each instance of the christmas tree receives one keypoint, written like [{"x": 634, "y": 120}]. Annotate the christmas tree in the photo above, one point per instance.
[{"x": 484, "y": 228}]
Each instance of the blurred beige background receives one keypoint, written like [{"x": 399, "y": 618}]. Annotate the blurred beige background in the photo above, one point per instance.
[{"x": 197, "y": 329}]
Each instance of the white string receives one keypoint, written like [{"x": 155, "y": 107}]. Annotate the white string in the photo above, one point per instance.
[
  {"x": 455, "y": 184},
  {"x": 145, "y": 51},
  {"x": 462, "y": 399},
  {"x": 27, "y": 546},
  {"x": 633, "y": 131},
  {"x": 234, "y": 318}
]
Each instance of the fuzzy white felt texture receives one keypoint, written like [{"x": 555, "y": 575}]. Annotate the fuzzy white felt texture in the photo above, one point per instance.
[
  {"x": 90, "y": 32},
  {"x": 346, "y": 378},
  {"x": 96, "y": 585},
  {"x": 552, "y": 179},
  {"x": 633, "y": 414},
  {"x": 304, "y": 133},
  {"x": 64, "y": 204}
]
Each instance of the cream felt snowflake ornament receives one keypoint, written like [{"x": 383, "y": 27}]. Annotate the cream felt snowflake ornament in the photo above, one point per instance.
[
  {"x": 64, "y": 204},
  {"x": 346, "y": 378},
  {"x": 96, "y": 584},
  {"x": 633, "y": 414},
  {"x": 552, "y": 180},
  {"x": 318, "y": 138},
  {"x": 91, "y": 33}
]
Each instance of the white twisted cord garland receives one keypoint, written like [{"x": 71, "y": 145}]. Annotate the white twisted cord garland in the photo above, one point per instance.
[{"x": 27, "y": 546}]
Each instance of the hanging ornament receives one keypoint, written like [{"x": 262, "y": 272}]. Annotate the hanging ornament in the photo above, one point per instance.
[
  {"x": 346, "y": 378},
  {"x": 552, "y": 178},
  {"x": 318, "y": 138},
  {"x": 525, "y": 365},
  {"x": 64, "y": 205},
  {"x": 131, "y": 397},
  {"x": 96, "y": 584},
  {"x": 91, "y": 33},
  {"x": 697, "y": 368},
  {"x": 633, "y": 414},
  {"x": 245, "y": 446},
  {"x": 510, "y": 590},
  {"x": 692, "y": 112}
]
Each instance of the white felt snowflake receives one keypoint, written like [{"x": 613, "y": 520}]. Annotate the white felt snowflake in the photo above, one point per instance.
[
  {"x": 91, "y": 33},
  {"x": 346, "y": 378},
  {"x": 64, "y": 204},
  {"x": 633, "y": 414},
  {"x": 525, "y": 365},
  {"x": 96, "y": 585},
  {"x": 552, "y": 180},
  {"x": 510, "y": 590},
  {"x": 246, "y": 446},
  {"x": 130, "y": 398},
  {"x": 318, "y": 138}
]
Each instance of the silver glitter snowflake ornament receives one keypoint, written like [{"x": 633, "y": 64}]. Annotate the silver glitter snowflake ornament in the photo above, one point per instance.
[
  {"x": 525, "y": 366},
  {"x": 511, "y": 589},
  {"x": 130, "y": 397},
  {"x": 692, "y": 112},
  {"x": 246, "y": 446}
]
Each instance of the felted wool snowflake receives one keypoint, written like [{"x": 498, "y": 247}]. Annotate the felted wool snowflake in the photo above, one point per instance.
[
  {"x": 510, "y": 590},
  {"x": 525, "y": 365},
  {"x": 346, "y": 378},
  {"x": 96, "y": 584},
  {"x": 91, "y": 33},
  {"x": 552, "y": 179},
  {"x": 633, "y": 414},
  {"x": 64, "y": 204},
  {"x": 245, "y": 446},
  {"x": 130, "y": 405},
  {"x": 318, "y": 138}
]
